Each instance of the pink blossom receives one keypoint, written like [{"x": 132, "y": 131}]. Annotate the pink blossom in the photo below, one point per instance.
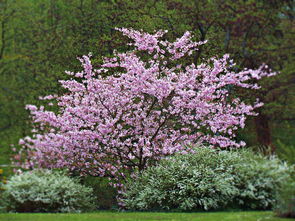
[{"x": 106, "y": 126}]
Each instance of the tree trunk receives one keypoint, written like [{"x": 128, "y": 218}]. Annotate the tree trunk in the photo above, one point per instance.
[{"x": 263, "y": 133}]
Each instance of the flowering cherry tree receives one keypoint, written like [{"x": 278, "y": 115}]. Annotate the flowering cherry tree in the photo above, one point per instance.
[{"x": 150, "y": 106}]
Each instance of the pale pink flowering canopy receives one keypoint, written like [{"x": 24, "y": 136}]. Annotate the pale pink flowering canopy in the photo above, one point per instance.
[{"x": 147, "y": 109}]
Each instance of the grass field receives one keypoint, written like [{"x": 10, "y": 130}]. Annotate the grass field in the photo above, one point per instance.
[{"x": 133, "y": 216}]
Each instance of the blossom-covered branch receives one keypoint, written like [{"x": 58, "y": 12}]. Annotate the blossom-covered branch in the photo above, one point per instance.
[{"x": 106, "y": 126}]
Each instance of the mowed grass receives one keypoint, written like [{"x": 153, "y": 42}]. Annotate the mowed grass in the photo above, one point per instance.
[{"x": 133, "y": 216}]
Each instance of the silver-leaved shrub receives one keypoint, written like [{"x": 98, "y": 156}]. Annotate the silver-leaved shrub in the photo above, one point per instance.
[
  {"x": 46, "y": 191},
  {"x": 207, "y": 180}
]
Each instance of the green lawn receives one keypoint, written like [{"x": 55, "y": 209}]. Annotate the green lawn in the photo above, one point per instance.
[{"x": 132, "y": 216}]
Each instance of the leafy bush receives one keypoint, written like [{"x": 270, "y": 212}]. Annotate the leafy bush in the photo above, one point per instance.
[
  {"x": 285, "y": 206},
  {"x": 46, "y": 191},
  {"x": 209, "y": 179}
]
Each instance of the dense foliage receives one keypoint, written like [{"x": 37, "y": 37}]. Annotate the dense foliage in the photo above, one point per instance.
[
  {"x": 46, "y": 191},
  {"x": 207, "y": 180}
]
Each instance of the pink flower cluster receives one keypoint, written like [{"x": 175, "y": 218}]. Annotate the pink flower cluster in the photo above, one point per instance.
[{"x": 106, "y": 126}]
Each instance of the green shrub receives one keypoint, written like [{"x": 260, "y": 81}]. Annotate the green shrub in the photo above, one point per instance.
[
  {"x": 209, "y": 179},
  {"x": 285, "y": 206},
  {"x": 46, "y": 191}
]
